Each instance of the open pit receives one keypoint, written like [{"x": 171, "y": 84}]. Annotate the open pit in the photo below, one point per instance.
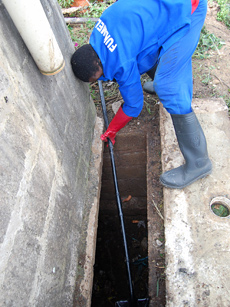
[
  {"x": 110, "y": 276},
  {"x": 137, "y": 158}
]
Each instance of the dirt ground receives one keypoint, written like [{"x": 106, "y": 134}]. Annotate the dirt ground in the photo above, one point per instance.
[
  {"x": 211, "y": 76},
  {"x": 211, "y": 80}
]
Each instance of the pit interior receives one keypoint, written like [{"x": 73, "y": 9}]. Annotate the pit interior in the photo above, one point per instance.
[
  {"x": 137, "y": 159},
  {"x": 110, "y": 277}
]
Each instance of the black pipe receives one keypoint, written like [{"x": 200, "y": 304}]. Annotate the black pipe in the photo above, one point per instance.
[{"x": 117, "y": 193}]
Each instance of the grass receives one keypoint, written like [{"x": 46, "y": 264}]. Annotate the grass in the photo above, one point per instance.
[
  {"x": 65, "y": 3},
  {"x": 224, "y": 12},
  {"x": 95, "y": 9},
  {"x": 207, "y": 43},
  {"x": 80, "y": 33}
]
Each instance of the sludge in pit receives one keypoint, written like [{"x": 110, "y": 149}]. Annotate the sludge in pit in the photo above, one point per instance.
[{"x": 110, "y": 274}]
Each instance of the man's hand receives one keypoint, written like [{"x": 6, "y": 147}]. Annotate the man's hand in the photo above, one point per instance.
[
  {"x": 108, "y": 134},
  {"x": 118, "y": 122}
]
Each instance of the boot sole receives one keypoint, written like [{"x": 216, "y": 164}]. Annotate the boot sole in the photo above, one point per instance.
[{"x": 181, "y": 187}]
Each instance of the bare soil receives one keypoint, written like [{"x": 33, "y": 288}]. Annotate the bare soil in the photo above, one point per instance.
[{"x": 211, "y": 75}]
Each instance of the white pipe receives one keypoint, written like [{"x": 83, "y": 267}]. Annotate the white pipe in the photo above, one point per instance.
[{"x": 34, "y": 28}]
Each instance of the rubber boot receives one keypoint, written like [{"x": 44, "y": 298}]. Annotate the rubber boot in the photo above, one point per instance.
[
  {"x": 148, "y": 87},
  {"x": 193, "y": 146}
]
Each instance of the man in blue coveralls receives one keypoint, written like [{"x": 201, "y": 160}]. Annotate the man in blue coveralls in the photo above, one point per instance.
[{"x": 157, "y": 37}]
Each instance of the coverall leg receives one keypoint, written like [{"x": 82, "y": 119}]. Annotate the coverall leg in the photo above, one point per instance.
[{"x": 173, "y": 80}]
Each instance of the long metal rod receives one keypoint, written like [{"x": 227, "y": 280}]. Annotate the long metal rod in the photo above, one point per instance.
[{"x": 117, "y": 191}]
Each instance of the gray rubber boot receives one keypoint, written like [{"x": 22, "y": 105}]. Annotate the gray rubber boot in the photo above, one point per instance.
[
  {"x": 148, "y": 87},
  {"x": 193, "y": 146}
]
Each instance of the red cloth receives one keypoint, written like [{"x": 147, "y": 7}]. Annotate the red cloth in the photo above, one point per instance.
[{"x": 194, "y": 5}]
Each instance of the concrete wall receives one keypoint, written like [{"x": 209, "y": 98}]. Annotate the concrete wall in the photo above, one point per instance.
[{"x": 46, "y": 132}]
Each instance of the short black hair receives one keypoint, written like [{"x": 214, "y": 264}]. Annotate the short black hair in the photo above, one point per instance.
[{"x": 85, "y": 62}]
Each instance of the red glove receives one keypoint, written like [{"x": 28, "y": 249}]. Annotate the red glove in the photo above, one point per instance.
[{"x": 117, "y": 123}]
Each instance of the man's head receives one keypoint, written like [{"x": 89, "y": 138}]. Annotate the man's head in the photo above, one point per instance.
[{"x": 86, "y": 64}]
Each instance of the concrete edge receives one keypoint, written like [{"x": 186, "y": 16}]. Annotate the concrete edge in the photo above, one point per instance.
[
  {"x": 84, "y": 282},
  {"x": 175, "y": 297}
]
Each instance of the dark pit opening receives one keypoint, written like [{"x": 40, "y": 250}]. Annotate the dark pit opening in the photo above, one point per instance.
[{"x": 110, "y": 275}]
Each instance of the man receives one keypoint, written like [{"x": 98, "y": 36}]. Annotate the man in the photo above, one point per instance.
[{"x": 158, "y": 37}]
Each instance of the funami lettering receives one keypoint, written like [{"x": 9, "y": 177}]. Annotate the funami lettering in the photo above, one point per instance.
[{"x": 108, "y": 40}]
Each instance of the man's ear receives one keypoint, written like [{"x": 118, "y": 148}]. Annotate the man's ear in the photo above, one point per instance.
[{"x": 99, "y": 63}]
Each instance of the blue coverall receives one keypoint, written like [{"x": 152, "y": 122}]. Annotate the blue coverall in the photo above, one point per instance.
[{"x": 132, "y": 36}]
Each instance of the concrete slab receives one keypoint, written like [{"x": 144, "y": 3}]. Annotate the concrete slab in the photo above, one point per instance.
[{"x": 197, "y": 241}]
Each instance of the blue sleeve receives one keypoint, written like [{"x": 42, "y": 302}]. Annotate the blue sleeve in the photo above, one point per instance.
[{"x": 128, "y": 78}]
